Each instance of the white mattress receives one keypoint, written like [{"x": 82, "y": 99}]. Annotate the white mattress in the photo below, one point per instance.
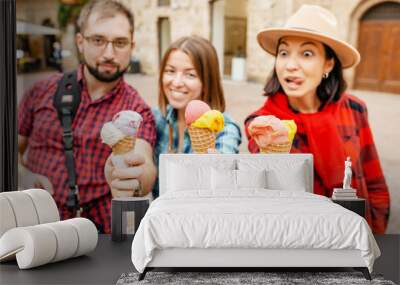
[{"x": 252, "y": 218}]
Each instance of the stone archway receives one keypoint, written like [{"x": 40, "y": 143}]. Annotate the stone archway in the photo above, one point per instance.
[{"x": 359, "y": 32}]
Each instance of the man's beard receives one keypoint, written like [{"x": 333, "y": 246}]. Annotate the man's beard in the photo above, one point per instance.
[{"x": 105, "y": 77}]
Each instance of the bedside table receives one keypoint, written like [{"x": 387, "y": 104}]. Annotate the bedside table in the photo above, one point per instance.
[
  {"x": 126, "y": 214},
  {"x": 357, "y": 205}
]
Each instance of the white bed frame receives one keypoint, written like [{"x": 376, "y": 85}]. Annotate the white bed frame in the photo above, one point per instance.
[{"x": 250, "y": 257}]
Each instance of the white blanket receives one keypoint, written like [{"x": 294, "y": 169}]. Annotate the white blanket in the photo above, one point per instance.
[{"x": 252, "y": 218}]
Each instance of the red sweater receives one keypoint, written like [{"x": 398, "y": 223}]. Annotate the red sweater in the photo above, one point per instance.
[{"x": 338, "y": 130}]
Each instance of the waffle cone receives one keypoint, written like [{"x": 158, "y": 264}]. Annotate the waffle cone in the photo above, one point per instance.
[
  {"x": 277, "y": 148},
  {"x": 202, "y": 139},
  {"x": 125, "y": 145}
]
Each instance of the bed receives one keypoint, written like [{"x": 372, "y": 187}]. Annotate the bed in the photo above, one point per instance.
[{"x": 247, "y": 210}]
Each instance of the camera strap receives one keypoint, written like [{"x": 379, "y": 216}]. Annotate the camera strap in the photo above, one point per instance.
[{"x": 66, "y": 101}]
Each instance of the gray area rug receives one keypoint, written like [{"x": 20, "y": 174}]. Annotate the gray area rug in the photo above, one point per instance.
[{"x": 228, "y": 278}]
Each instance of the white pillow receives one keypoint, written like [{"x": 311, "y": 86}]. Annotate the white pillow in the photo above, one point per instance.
[
  {"x": 183, "y": 177},
  {"x": 227, "y": 179},
  {"x": 291, "y": 179},
  {"x": 281, "y": 173},
  {"x": 223, "y": 179},
  {"x": 251, "y": 178}
]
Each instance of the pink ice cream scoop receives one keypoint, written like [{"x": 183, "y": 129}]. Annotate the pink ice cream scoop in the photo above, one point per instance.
[
  {"x": 268, "y": 130},
  {"x": 194, "y": 110}
]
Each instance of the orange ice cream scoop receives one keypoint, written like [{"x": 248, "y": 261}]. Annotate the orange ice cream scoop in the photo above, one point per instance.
[{"x": 212, "y": 120}]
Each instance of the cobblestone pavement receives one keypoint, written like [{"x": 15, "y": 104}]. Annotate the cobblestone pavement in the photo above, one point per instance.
[{"x": 245, "y": 97}]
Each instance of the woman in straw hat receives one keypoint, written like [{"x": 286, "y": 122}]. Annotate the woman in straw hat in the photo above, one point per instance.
[
  {"x": 189, "y": 70},
  {"x": 307, "y": 86}
]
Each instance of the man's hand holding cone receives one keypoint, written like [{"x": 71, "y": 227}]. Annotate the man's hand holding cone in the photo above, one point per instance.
[{"x": 124, "y": 166}]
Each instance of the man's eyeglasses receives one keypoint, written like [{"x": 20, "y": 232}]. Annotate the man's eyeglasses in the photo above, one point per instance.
[{"x": 119, "y": 44}]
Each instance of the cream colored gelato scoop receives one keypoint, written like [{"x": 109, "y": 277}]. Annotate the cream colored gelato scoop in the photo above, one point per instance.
[
  {"x": 110, "y": 134},
  {"x": 123, "y": 124}
]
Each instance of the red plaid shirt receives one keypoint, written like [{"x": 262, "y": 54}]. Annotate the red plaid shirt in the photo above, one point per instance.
[
  {"x": 37, "y": 120},
  {"x": 351, "y": 120}
]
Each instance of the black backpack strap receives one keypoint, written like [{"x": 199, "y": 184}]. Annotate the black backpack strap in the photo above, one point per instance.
[{"x": 66, "y": 101}]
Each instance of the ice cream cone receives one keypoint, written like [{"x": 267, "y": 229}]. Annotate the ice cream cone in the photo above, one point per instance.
[
  {"x": 122, "y": 147},
  {"x": 277, "y": 148},
  {"x": 202, "y": 139}
]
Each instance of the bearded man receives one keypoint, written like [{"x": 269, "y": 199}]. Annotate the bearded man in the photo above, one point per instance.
[{"x": 105, "y": 42}]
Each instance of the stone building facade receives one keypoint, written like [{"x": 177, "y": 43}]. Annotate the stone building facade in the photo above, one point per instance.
[
  {"x": 212, "y": 20},
  {"x": 184, "y": 17},
  {"x": 232, "y": 26}
]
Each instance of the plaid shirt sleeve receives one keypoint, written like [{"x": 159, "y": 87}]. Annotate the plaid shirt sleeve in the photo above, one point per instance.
[
  {"x": 25, "y": 118},
  {"x": 30, "y": 100},
  {"x": 229, "y": 139},
  {"x": 147, "y": 129},
  {"x": 377, "y": 189},
  {"x": 27, "y": 103}
]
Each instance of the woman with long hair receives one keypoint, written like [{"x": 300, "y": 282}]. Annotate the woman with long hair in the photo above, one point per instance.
[{"x": 189, "y": 70}]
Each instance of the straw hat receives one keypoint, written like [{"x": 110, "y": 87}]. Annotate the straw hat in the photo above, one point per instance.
[{"x": 315, "y": 23}]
